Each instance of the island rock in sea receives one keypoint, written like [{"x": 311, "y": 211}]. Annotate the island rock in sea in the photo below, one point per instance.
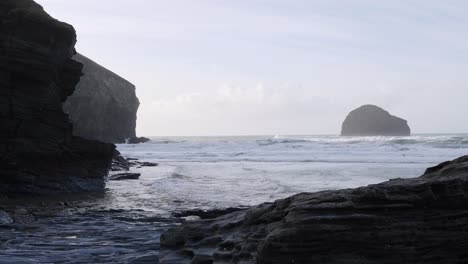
[
  {"x": 418, "y": 220},
  {"x": 371, "y": 120},
  {"x": 104, "y": 106},
  {"x": 38, "y": 152}
]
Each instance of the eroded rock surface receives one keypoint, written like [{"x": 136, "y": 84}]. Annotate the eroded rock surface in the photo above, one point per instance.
[
  {"x": 104, "y": 106},
  {"x": 419, "y": 220},
  {"x": 38, "y": 152},
  {"x": 371, "y": 120}
]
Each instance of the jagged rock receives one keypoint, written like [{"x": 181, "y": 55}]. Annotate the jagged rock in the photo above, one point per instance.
[
  {"x": 119, "y": 163},
  {"x": 104, "y": 106},
  {"x": 371, "y": 120},
  {"x": 138, "y": 140},
  {"x": 124, "y": 176},
  {"x": 37, "y": 150},
  {"x": 419, "y": 220}
]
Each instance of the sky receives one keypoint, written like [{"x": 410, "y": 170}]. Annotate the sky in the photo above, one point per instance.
[{"x": 279, "y": 67}]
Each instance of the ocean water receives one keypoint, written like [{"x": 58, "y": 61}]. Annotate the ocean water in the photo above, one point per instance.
[
  {"x": 124, "y": 224},
  {"x": 220, "y": 172}
]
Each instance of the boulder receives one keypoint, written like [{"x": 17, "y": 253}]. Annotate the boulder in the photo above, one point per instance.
[
  {"x": 418, "y": 220},
  {"x": 104, "y": 106},
  {"x": 371, "y": 120},
  {"x": 38, "y": 152}
]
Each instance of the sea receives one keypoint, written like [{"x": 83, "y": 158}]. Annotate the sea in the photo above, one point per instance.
[{"x": 124, "y": 224}]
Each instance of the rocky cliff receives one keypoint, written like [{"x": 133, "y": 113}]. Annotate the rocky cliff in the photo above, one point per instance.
[
  {"x": 371, "y": 120},
  {"x": 104, "y": 106},
  {"x": 37, "y": 150},
  {"x": 419, "y": 220}
]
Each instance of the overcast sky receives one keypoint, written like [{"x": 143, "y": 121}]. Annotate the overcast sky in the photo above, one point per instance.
[{"x": 237, "y": 67}]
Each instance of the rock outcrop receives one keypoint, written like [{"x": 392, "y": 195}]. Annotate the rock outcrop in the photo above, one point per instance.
[
  {"x": 37, "y": 150},
  {"x": 419, "y": 220},
  {"x": 371, "y": 120},
  {"x": 104, "y": 106},
  {"x": 138, "y": 140}
]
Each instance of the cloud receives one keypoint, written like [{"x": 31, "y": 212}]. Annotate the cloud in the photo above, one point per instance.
[{"x": 233, "y": 109}]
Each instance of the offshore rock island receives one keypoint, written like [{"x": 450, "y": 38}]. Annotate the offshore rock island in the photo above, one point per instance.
[{"x": 371, "y": 120}]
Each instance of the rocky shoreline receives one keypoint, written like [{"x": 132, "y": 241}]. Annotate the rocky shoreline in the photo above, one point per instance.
[{"x": 419, "y": 220}]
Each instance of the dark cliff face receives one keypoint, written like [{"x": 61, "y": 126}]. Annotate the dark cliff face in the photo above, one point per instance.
[
  {"x": 370, "y": 120},
  {"x": 419, "y": 220},
  {"x": 37, "y": 150},
  {"x": 104, "y": 106}
]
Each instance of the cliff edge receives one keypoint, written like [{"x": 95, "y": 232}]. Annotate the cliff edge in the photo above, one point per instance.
[{"x": 104, "y": 106}]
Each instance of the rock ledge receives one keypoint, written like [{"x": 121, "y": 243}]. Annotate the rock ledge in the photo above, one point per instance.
[{"x": 419, "y": 220}]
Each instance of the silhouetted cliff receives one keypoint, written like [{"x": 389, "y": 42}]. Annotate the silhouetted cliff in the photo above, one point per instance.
[
  {"x": 104, "y": 106},
  {"x": 37, "y": 150}
]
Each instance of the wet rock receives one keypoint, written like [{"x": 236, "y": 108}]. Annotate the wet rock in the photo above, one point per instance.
[
  {"x": 371, "y": 120},
  {"x": 38, "y": 153},
  {"x": 138, "y": 140},
  {"x": 148, "y": 164},
  {"x": 124, "y": 176},
  {"x": 119, "y": 163},
  {"x": 5, "y": 218},
  {"x": 104, "y": 106},
  {"x": 209, "y": 214},
  {"x": 419, "y": 220}
]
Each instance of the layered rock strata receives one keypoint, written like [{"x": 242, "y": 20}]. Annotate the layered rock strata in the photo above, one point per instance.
[{"x": 38, "y": 152}]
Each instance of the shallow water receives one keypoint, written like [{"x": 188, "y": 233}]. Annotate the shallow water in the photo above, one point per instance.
[{"x": 124, "y": 224}]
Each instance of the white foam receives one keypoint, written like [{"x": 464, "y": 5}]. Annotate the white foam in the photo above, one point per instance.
[{"x": 231, "y": 171}]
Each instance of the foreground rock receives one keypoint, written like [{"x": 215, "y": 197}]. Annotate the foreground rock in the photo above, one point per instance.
[
  {"x": 371, "y": 120},
  {"x": 104, "y": 106},
  {"x": 420, "y": 220},
  {"x": 37, "y": 150}
]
